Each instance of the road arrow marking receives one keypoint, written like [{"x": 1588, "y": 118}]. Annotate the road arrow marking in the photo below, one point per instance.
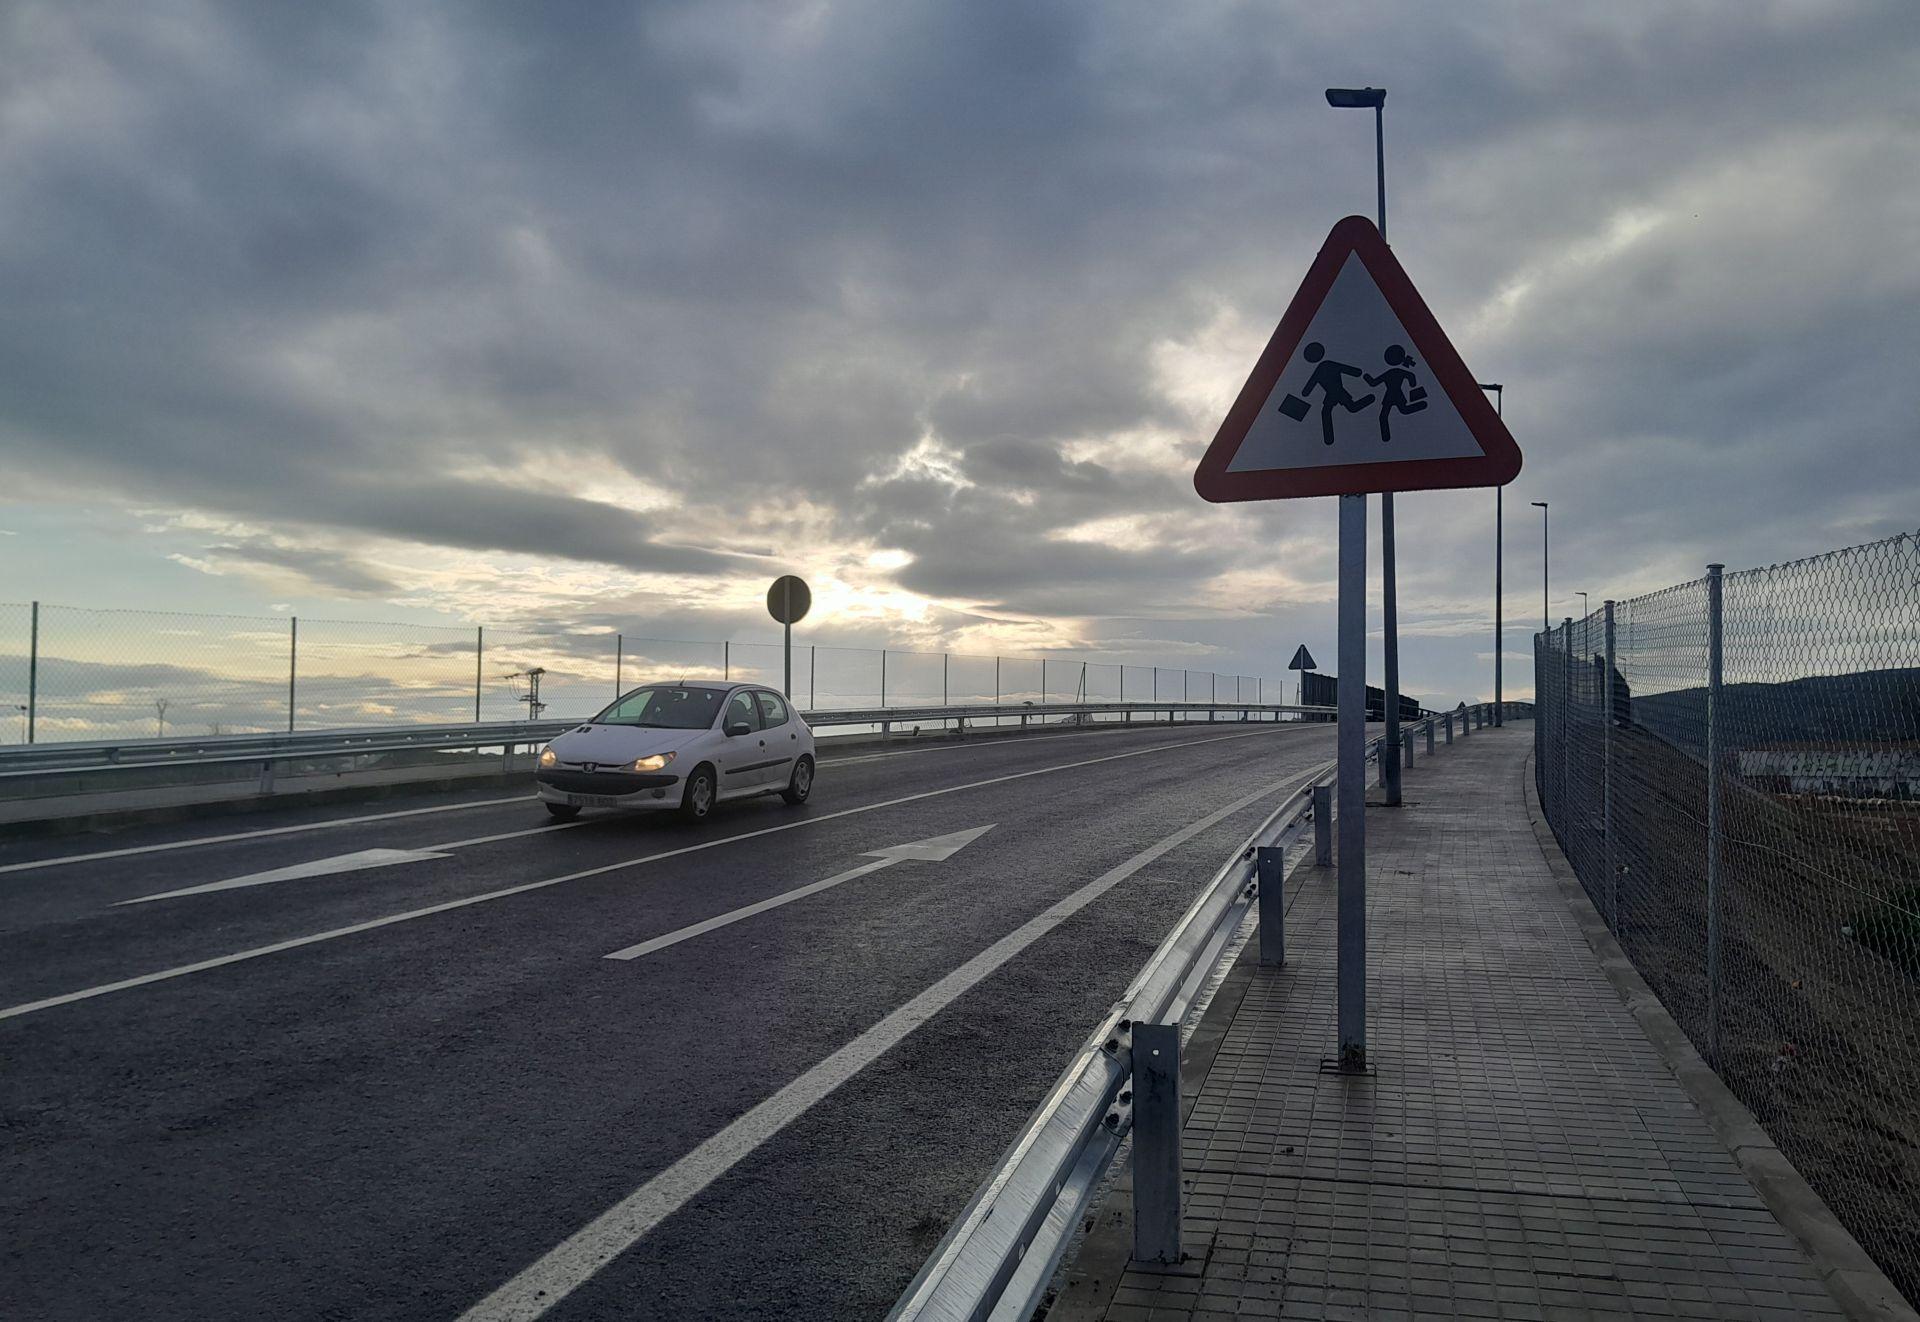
[
  {"x": 319, "y": 867},
  {"x": 935, "y": 849}
]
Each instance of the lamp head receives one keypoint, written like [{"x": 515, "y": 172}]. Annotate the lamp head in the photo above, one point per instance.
[
  {"x": 1539, "y": 504},
  {"x": 1357, "y": 98}
]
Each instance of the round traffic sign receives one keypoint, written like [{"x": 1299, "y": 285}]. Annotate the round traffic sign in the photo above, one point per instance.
[{"x": 789, "y": 599}]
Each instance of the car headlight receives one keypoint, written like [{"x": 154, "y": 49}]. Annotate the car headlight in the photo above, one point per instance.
[
  {"x": 657, "y": 762},
  {"x": 548, "y": 757}
]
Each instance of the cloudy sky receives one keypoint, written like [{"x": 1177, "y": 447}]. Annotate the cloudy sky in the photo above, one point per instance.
[{"x": 607, "y": 313}]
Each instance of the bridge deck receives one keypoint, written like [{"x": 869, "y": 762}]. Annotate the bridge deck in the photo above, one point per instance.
[{"x": 1522, "y": 1150}]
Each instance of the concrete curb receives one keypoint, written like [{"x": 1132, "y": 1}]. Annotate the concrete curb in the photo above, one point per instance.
[{"x": 1858, "y": 1285}]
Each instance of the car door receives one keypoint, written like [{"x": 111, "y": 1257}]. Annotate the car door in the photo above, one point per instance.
[
  {"x": 741, "y": 757},
  {"x": 782, "y": 736}
]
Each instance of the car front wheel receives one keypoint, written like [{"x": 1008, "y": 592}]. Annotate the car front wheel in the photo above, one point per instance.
[
  {"x": 801, "y": 785},
  {"x": 697, "y": 801}
]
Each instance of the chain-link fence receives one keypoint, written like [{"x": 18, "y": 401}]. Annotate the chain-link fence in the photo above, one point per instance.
[
  {"x": 1732, "y": 767},
  {"x": 74, "y": 674}
]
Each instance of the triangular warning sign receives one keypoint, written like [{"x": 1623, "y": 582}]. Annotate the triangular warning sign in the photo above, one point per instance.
[
  {"x": 1302, "y": 659},
  {"x": 1358, "y": 390}
]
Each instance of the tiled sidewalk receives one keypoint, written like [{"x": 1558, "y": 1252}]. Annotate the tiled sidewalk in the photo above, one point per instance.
[{"x": 1521, "y": 1152}]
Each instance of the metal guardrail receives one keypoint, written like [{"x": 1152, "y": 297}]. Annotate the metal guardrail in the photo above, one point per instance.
[
  {"x": 26, "y": 760},
  {"x": 999, "y": 1257}
]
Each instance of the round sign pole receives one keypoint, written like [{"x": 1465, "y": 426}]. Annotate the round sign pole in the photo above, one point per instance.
[{"x": 788, "y": 601}]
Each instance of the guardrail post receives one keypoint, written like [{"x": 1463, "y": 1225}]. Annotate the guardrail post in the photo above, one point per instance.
[
  {"x": 1156, "y": 1143},
  {"x": 1322, "y": 825},
  {"x": 1448, "y": 719},
  {"x": 1406, "y": 739},
  {"x": 266, "y": 776},
  {"x": 1429, "y": 736},
  {"x": 1466, "y": 722},
  {"x": 1270, "y": 865},
  {"x": 1381, "y": 756},
  {"x": 1715, "y": 718},
  {"x": 33, "y": 668}
]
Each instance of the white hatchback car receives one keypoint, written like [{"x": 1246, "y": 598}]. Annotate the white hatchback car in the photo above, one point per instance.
[{"x": 680, "y": 746}]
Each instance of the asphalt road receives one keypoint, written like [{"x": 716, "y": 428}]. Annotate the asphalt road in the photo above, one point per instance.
[{"x": 420, "y": 1090}]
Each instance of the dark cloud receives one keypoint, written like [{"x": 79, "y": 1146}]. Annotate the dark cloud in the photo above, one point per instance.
[{"x": 345, "y": 269}]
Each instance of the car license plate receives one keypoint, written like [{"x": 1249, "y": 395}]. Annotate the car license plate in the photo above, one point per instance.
[{"x": 593, "y": 801}]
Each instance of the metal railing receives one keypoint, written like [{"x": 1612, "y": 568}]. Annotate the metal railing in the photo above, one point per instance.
[
  {"x": 999, "y": 1257},
  {"x": 1732, "y": 767},
  {"x": 36, "y": 760}
]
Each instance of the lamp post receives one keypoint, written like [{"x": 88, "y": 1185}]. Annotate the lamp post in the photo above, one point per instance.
[
  {"x": 1499, "y": 521},
  {"x": 1584, "y": 612},
  {"x": 1546, "y": 565},
  {"x": 1375, "y": 99}
]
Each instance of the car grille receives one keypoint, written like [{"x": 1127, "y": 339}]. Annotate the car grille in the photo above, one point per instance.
[{"x": 604, "y": 782}]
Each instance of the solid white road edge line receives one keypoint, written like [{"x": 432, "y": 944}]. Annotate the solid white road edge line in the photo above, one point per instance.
[
  {"x": 295, "y": 943},
  {"x": 572, "y": 1262},
  {"x": 32, "y": 864}
]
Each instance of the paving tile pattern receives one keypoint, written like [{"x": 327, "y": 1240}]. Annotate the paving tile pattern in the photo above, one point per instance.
[{"x": 1521, "y": 1150}]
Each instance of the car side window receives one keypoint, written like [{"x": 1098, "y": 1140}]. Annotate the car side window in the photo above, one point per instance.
[
  {"x": 740, "y": 708},
  {"x": 773, "y": 712}
]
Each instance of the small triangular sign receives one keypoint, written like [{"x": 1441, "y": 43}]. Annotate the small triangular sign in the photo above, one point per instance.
[
  {"x": 1302, "y": 659},
  {"x": 1358, "y": 390}
]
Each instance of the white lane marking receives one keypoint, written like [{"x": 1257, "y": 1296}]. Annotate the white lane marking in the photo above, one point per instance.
[
  {"x": 356, "y": 862},
  {"x": 319, "y": 867},
  {"x": 569, "y": 1264},
  {"x": 262, "y": 834},
  {"x": 221, "y": 961},
  {"x": 675, "y": 937},
  {"x": 937, "y": 849}
]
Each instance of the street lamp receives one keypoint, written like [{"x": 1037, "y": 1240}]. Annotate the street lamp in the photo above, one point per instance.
[
  {"x": 1499, "y": 393},
  {"x": 1546, "y": 565},
  {"x": 1584, "y": 612},
  {"x": 1375, "y": 99}
]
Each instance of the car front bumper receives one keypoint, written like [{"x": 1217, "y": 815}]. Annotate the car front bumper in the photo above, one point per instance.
[{"x": 608, "y": 789}]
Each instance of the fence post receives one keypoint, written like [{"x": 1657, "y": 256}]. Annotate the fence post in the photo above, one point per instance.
[
  {"x": 943, "y": 679},
  {"x": 1322, "y": 825},
  {"x": 1043, "y": 683},
  {"x": 1448, "y": 718},
  {"x": 726, "y": 662},
  {"x": 619, "y": 662},
  {"x": 1156, "y": 1143},
  {"x": 813, "y": 676},
  {"x": 1270, "y": 864},
  {"x": 1566, "y": 708},
  {"x": 1429, "y": 736},
  {"x": 1606, "y": 781},
  {"x": 293, "y": 665},
  {"x": 33, "y": 669},
  {"x": 996, "y": 684},
  {"x": 479, "y": 652},
  {"x": 1714, "y": 719},
  {"x": 1406, "y": 740}
]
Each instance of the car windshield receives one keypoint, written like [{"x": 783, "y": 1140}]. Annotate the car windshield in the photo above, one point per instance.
[{"x": 675, "y": 707}]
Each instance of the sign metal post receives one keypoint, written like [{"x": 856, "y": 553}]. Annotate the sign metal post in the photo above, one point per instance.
[{"x": 1358, "y": 391}]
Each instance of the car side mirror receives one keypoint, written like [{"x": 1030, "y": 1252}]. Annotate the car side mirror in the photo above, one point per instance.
[{"x": 737, "y": 728}]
